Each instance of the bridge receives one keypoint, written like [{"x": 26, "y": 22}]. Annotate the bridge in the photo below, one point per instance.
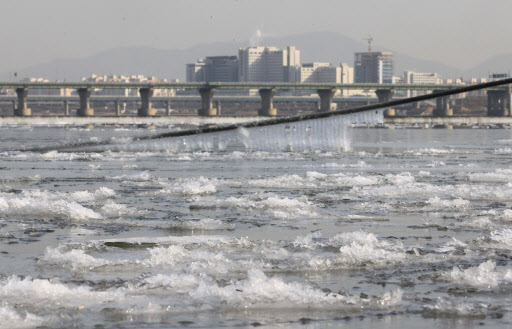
[
  {"x": 166, "y": 101},
  {"x": 499, "y": 98}
]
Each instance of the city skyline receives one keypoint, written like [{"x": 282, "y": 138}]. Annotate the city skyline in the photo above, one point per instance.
[
  {"x": 336, "y": 49},
  {"x": 457, "y": 33}
]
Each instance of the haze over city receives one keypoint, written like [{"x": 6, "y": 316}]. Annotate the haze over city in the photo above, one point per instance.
[{"x": 458, "y": 34}]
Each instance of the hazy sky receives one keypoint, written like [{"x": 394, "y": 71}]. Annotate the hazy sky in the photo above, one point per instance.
[{"x": 460, "y": 33}]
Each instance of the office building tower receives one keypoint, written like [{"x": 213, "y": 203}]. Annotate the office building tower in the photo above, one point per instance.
[
  {"x": 196, "y": 72},
  {"x": 221, "y": 69},
  {"x": 373, "y": 67},
  {"x": 213, "y": 69}
]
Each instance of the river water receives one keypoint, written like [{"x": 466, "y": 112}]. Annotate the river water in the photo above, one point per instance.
[{"x": 401, "y": 228}]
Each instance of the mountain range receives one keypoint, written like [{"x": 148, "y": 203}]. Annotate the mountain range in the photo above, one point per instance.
[{"x": 170, "y": 63}]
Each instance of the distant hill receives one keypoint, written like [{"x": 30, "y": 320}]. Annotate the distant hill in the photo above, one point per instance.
[
  {"x": 315, "y": 46},
  {"x": 496, "y": 64}
]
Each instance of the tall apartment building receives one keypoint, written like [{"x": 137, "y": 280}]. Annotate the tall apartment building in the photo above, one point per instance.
[
  {"x": 267, "y": 64},
  {"x": 373, "y": 67},
  {"x": 347, "y": 76},
  {"x": 347, "y": 73},
  {"x": 214, "y": 69}
]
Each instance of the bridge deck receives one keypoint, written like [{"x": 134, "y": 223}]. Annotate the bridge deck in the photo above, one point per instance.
[
  {"x": 226, "y": 85},
  {"x": 50, "y": 98}
]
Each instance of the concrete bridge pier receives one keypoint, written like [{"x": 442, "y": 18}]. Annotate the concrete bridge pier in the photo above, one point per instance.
[
  {"x": 385, "y": 95},
  {"x": 14, "y": 106},
  {"x": 442, "y": 106},
  {"x": 146, "y": 110},
  {"x": 267, "y": 104},
  {"x": 326, "y": 96},
  {"x": 85, "y": 109},
  {"x": 219, "y": 108},
  {"x": 66, "y": 108},
  {"x": 168, "y": 108},
  {"x": 498, "y": 103},
  {"x": 22, "y": 110},
  {"x": 207, "y": 109},
  {"x": 117, "y": 106}
]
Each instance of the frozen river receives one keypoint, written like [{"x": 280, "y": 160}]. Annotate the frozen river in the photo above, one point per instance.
[{"x": 403, "y": 228}]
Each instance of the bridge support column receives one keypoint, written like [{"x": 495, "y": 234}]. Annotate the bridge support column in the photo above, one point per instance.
[
  {"x": 84, "y": 110},
  {"x": 498, "y": 103},
  {"x": 168, "y": 108},
  {"x": 326, "y": 96},
  {"x": 117, "y": 107},
  {"x": 218, "y": 105},
  {"x": 207, "y": 109},
  {"x": 66, "y": 108},
  {"x": 385, "y": 95},
  {"x": 146, "y": 110},
  {"x": 442, "y": 106},
  {"x": 14, "y": 106},
  {"x": 267, "y": 104},
  {"x": 22, "y": 110}
]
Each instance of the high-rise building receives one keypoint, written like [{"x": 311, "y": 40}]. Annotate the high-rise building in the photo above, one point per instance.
[
  {"x": 347, "y": 76},
  {"x": 347, "y": 73},
  {"x": 221, "y": 69},
  {"x": 373, "y": 67},
  {"x": 196, "y": 72},
  {"x": 267, "y": 64},
  {"x": 292, "y": 62},
  {"x": 214, "y": 69}
]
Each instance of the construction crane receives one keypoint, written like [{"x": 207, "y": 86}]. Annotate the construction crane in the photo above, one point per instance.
[{"x": 369, "y": 39}]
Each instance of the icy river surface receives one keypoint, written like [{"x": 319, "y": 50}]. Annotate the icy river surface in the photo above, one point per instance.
[{"x": 403, "y": 228}]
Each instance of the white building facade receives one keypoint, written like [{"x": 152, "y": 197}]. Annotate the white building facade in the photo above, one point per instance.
[
  {"x": 420, "y": 78},
  {"x": 411, "y": 77},
  {"x": 126, "y": 92},
  {"x": 318, "y": 72},
  {"x": 326, "y": 73},
  {"x": 267, "y": 64}
]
